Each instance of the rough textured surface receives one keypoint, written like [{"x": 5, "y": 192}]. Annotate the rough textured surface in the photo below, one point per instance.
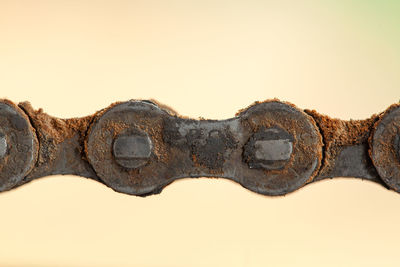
[
  {"x": 21, "y": 145},
  {"x": 307, "y": 146},
  {"x": 209, "y": 142},
  {"x": 60, "y": 144},
  {"x": 385, "y": 147},
  {"x": 338, "y": 134},
  {"x": 126, "y": 118},
  {"x": 320, "y": 147}
]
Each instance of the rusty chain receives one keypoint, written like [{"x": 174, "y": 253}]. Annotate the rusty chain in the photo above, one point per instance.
[{"x": 138, "y": 147}]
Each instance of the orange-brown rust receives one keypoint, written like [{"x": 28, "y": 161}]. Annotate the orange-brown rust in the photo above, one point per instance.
[
  {"x": 200, "y": 164},
  {"x": 165, "y": 107},
  {"x": 339, "y": 133},
  {"x": 152, "y": 127},
  {"x": 22, "y": 145},
  {"x": 305, "y": 160},
  {"x": 195, "y": 148},
  {"x": 256, "y": 122},
  {"x": 53, "y": 131},
  {"x": 242, "y": 110},
  {"x": 58, "y": 129},
  {"x": 385, "y": 158},
  {"x": 12, "y": 104},
  {"x": 378, "y": 120},
  {"x": 194, "y": 159}
]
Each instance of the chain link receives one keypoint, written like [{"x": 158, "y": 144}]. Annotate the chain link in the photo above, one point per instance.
[{"x": 139, "y": 147}]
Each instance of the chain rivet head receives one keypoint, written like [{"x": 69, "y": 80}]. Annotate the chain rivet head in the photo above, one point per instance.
[
  {"x": 133, "y": 150},
  {"x": 269, "y": 149}
]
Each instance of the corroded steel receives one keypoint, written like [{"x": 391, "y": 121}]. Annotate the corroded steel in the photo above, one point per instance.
[{"x": 138, "y": 147}]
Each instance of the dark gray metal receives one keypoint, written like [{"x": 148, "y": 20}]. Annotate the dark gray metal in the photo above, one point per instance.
[
  {"x": 353, "y": 161},
  {"x": 128, "y": 119},
  {"x": 139, "y": 147},
  {"x": 273, "y": 150},
  {"x": 397, "y": 146},
  {"x": 3, "y": 145},
  {"x": 132, "y": 151},
  {"x": 204, "y": 148},
  {"x": 18, "y": 145},
  {"x": 269, "y": 149},
  {"x": 385, "y": 147}
]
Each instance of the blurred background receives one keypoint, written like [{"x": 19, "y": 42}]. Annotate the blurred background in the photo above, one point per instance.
[{"x": 204, "y": 59}]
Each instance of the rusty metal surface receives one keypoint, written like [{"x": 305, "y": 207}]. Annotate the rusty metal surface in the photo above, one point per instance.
[
  {"x": 19, "y": 145},
  {"x": 138, "y": 147},
  {"x": 385, "y": 149}
]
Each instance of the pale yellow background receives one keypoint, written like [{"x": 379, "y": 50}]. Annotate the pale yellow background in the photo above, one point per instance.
[{"x": 208, "y": 59}]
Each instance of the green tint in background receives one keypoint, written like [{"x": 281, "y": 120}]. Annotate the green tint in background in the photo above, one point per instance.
[{"x": 205, "y": 59}]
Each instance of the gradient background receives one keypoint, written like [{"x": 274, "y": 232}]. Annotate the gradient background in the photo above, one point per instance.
[{"x": 208, "y": 59}]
